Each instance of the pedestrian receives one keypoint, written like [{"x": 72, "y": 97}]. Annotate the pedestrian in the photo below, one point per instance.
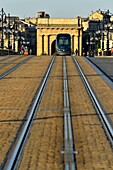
[
  {"x": 83, "y": 53},
  {"x": 112, "y": 51},
  {"x": 76, "y": 51},
  {"x": 87, "y": 53},
  {"x": 22, "y": 49},
  {"x": 30, "y": 51}
]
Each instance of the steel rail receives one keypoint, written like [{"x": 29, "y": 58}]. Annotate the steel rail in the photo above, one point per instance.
[
  {"x": 6, "y": 58},
  {"x": 69, "y": 158},
  {"x": 14, "y": 158},
  {"x": 14, "y": 68},
  {"x": 101, "y": 113},
  {"x": 10, "y": 62}
]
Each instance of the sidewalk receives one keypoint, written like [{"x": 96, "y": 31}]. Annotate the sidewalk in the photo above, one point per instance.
[{"x": 103, "y": 56}]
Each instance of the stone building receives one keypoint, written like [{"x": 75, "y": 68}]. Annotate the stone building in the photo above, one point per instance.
[
  {"x": 40, "y": 32},
  {"x": 98, "y": 32},
  {"x": 48, "y": 28}
]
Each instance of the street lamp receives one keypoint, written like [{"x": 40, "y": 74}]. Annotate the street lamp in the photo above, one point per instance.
[
  {"x": 107, "y": 27},
  {"x": 98, "y": 45},
  {"x": 92, "y": 44},
  {"x": 15, "y": 33},
  {"x": 2, "y": 20},
  {"x": 8, "y": 31},
  {"x": 13, "y": 30},
  {"x": 98, "y": 35}
]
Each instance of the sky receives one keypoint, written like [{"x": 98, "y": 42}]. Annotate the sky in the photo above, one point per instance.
[{"x": 55, "y": 8}]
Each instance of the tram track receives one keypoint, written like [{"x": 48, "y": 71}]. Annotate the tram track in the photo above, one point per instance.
[
  {"x": 14, "y": 67},
  {"x": 69, "y": 158},
  {"x": 97, "y": 104},
  {"x": 10, "y": 62},
  {"x": 15, "y": 156},
  {"x": 53, "y": 118},
  {"x": 6, "y": 58},
  {"x": 85, "y": 123},
  {"x": 69, "y": 151}
]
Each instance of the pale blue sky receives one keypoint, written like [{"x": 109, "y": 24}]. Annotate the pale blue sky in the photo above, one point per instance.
[{"x": 55, "y": 8}]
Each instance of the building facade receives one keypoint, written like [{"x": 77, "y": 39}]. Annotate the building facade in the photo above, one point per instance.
[
  {"x": 48, "y": 28},
  {"x": 98, "y": 32}
]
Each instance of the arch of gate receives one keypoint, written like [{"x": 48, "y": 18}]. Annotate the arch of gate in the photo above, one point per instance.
[{"x": 48, "y": 28}]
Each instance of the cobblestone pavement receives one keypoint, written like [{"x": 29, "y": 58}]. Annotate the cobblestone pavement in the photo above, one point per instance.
[
  {"x": 103, "y": 91},
  {"x": 16, "y": 93},
  {"x": 93, "y": 149},
  {"x": 4, "y": 68},
  {"x": 45, "y": 142}
]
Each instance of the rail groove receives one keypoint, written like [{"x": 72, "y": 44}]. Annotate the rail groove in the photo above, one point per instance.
[
  {"x": 14, "y": 68},
  {"x": 10, "y": 62},
  {"x": 100, "y": 111},
  {"x": 69, "y": 152},
  {"x": 15, "y": 156},
  {"x": 6, "y": 58}
]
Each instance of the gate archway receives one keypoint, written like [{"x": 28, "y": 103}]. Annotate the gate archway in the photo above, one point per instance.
[{"x": 48, "y": 28}]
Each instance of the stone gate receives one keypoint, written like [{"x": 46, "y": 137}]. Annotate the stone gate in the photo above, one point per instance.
[{"x": 48, "y": 28}]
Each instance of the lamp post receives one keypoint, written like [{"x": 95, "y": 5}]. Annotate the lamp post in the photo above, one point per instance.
[
  {"x": 14, "y": 36},
  {"x": 15, "y": 33},
  {"x": 8, "y": 31},
  {"x": 92, "y": 44},
  {"x": 2, "y": 20},
  {"x": 98, "y": 45},
  {"x": 79, "y": 24},
  {"x": 98, "y": 35},
  {"x": 108, "y": 42},
  {"x": 107, "y": 27},
  {"x": 103, "y": 42},
  {"x": 19, "y": 42},
  {"x": 88, "y": 46}
]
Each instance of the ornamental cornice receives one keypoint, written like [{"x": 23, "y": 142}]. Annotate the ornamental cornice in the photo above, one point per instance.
[{"x": 61, "y": 26}]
